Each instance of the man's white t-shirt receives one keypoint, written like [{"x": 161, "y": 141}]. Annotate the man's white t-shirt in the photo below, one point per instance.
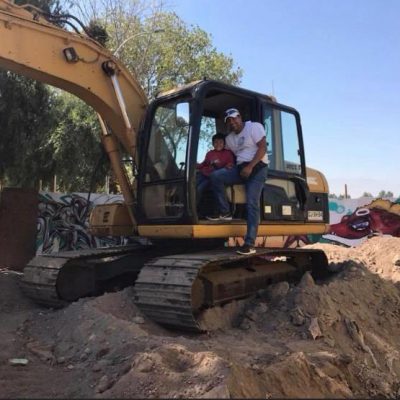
[{"x": 244, "y": 144}]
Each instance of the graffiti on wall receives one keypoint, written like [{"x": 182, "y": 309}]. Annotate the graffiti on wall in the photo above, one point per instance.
[
  {"x": 353, "y": 221},
  {"x": 63, "y": 221}
]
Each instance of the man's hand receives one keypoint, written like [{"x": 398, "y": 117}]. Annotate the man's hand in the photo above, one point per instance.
[{"x": 246, "y": 171}]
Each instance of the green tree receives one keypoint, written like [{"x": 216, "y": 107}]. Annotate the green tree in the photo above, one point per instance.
[
  {"x": 80, "y": 162},
  {"x": 164, "y": 52},
  {"x": 367, "y": 194},
  {"x": 26, "y": 120},
  {"x": 383, "y": 194}
]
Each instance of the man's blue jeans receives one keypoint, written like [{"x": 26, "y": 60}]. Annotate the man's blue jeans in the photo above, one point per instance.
[{"x": 254, "y": 185}]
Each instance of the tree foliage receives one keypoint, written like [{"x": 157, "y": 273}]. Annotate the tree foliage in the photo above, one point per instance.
[
  {"x": 165, "y": 52},
  {"x": 366, "y": 194},
  {"x": 158, "y": 46},
  {"x": 383, "y": 194},
  {"x": 78, "y": 155},
  {"x": 26, "y": 119}
]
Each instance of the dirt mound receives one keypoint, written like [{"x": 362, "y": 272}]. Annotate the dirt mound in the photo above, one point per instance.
[{"x": 331, "y": 338}]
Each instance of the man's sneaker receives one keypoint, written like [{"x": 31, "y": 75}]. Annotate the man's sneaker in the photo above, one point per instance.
[
  {"x": 246, "y": 250},
  {"x": 222, "y": 217},
  {"x": 213, "y": 217}
]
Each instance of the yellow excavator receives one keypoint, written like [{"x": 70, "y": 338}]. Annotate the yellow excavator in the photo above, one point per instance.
[{"x": 179, "y": 265}]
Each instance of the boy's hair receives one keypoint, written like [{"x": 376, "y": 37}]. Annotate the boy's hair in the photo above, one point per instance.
[{"x": 218, "y": 136}]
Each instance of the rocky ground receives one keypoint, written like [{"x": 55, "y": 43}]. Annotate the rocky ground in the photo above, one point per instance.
[{"x": 328, "y": 339}]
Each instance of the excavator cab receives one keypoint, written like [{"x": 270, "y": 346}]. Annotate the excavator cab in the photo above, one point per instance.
[{"x": 177, "y": 134}]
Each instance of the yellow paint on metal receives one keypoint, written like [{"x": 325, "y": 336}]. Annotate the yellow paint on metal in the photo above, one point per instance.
[
  {"x": 316, "y": 181},
  {"x": 227, "y": 230}
]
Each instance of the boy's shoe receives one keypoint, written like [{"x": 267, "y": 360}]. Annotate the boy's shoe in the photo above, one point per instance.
[
  {"x": 226, "y": 217},
  {"x": 222, "y": 217},
  {"x": 246, "y": 250}
]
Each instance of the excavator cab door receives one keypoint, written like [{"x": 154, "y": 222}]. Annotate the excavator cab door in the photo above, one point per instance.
[
  {"x": 286, "y": 191},
  {"x": 165, "y": 144}
]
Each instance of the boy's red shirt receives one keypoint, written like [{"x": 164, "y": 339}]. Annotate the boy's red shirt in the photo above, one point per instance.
[{"x": 215, "y": 160}]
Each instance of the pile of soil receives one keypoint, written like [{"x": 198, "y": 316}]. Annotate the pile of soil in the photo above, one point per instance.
[{"x": 337, "y": 337}]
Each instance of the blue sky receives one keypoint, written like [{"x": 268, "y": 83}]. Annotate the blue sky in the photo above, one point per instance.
[{"x": 336, "y": 61}]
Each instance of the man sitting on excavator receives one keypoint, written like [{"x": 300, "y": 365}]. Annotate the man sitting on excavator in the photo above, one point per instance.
[{"x": 248, "y": 143}]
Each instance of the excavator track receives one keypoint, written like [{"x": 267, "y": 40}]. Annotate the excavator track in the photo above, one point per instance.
[
  {"x": 54, "y": 280},
  {"x": 174, "y": 290}
]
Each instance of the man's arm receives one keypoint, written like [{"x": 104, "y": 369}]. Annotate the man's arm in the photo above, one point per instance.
[{"x": 260, "y": 153}]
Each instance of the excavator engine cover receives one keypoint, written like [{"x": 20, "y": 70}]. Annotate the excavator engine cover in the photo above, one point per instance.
[{"x": 110, "y": 220}]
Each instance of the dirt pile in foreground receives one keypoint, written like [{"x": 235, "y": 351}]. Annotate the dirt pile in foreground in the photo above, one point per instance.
[{"x": 335, "y": 338}]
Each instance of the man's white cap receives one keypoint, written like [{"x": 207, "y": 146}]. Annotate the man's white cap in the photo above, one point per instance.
[{"x": 231, "y": 113}]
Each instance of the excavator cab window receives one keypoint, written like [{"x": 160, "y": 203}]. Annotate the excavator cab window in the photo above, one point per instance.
[
  {"x": 165, "y": 167},
  {"x": 168, "y": 143},
  {"x": 284, "y": 152},
  {"x": 208, "y": 128}
]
